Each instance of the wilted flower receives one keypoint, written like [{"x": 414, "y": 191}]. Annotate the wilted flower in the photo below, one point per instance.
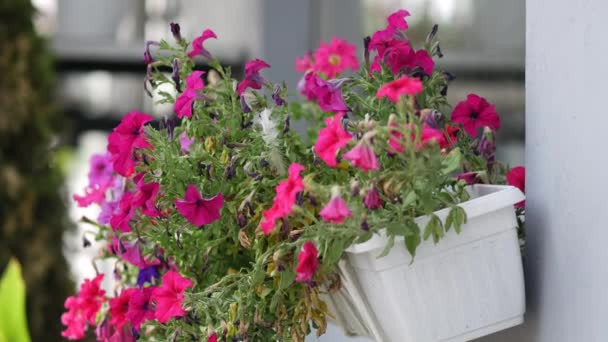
[
  {"x": 336, "y": 210},
  {"x": 307, "y": 262}
]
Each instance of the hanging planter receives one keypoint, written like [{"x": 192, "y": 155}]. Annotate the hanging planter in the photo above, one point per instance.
[
  {"x": 469, "y": 285},
  {"x": 228, "y": 225}
]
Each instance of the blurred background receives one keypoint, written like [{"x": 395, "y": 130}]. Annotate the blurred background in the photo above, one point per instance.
[{"x": 95, "y": 51}]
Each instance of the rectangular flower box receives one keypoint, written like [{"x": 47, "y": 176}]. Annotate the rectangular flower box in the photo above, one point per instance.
[{"x": 467, "y": 286}]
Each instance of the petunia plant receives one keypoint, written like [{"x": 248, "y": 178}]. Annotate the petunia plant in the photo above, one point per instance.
[{"x": 226, "y": 224}]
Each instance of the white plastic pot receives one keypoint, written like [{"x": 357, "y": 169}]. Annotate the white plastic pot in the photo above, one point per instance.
[{"x": 467, "y": 286}]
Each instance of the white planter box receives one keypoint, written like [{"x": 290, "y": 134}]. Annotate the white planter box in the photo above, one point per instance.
[{"x": 467, "y": 286}]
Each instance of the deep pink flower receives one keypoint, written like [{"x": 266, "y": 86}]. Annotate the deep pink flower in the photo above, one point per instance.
[
  {"x": 395, "y": 139},
  {"x": 184, "y": 102},
  {"x": 119, "y": 306},
  {"x": 400, "y": 55},
  {"x": 198, "y": 210},
  {"x": 307, "y": 262},
  {"x": 212, "y": 337},
  {"x": 363, "y": 156},
  {"x": 403, "y": 85},
  {"x": 73, "y": 320},
  {"x": 197, "y": 44},
  {"x": 129, "y": 251},
  {"x": 429, "y": 134},
  {"x": 122, "y": 217},
  {"x": 125, "y": 138},
  {"x": 169, "y": 296},
  {"x": 517, "y": 178},
  {"x": 397, "y": 19},
  {"x": 140, "y": 307},
  {"x": 94, "y": 194},
  {"x": 304, "y": 63},
  {"x": 100, "y": 169},
  {"x": 372, "y": 200},
  {"x": 474, "y": 113},
  {"x": 92, "y": 297},
  {"x": 331, "y": 138},
  {"x": 253, "y": 79},
  {"x": 328, "y": 94},
  {"x": 286, "y": 193},
  {"x": 336, "y": 210},
  {"x": 145, "y": 196},
  {"x": 185, "y": 142},
  {"x": 333, "y": 58}
]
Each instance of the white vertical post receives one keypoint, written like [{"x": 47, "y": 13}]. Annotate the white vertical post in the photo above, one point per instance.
[{"x": 567, "y": 206}]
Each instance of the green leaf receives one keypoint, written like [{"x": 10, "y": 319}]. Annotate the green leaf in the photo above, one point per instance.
[
  {"x": 434, "y": 228},
  {"x": 412, "y": 240},
  {"x": 452, "y": 162},
  {"x": 409, "y": 199},
  {"x": 388, "y": 247},
  {"x": 460, "y": 218},
  {"x": 13, "y": 321},
  {"x": 287, "y": 277},
  {"x": 449, "y": 220}
]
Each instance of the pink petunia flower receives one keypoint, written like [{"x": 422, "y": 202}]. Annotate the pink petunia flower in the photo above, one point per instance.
[
  {"x": 517, "y": 178},
  {"x": 401, "y": 86},
  {"x": 140, "y": 307},
  {"x": 145, "y": 196},
  {"x": 185, "y": 142},
  {"x": 336, "y": 210},
  {"x": 197, "y": 44},
  {"x": 327, "y": 94},
  {"x": 169, "y": 296},
  {"x": 304, "y": 63},
  {"x": 129, "y": 251},
  {"x": 363, "y": 156},
  {"x": 198, "y": 210},
  {"x": 333, "y": 58},
  {"x": 100, "y": 169},
  {"x": 285, "y": 198},
  {"x": 469, "y": 177},
  {"x": 397, "y": 20},
  {"x": 307, "y": 262},
  {"x": 372, "y": 200},
  {"x": 331, "y": 138},
  {"x": 119, "y": 306},
  {"x": 122, "y": 217},
  {"x": 125, "y": 138},
  {"x": 212, "y": 337},
  {"x": 474, "y": 113},
  {"x": 94, "y": 194},
  {"x": 253, "y": 79},
  {"x": 83, "y": 308},
  {"x": 184, "y": 102}
]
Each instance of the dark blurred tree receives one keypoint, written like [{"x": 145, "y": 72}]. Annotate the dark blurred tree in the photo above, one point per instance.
[{"x": 33, "y": 215}]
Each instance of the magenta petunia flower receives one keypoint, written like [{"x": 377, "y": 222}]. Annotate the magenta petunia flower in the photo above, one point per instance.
[
  {"x": 475, "y": 113},
  {"x": 198, "y": 210},
  {"x": 363, "y": 156},
  {"x": 94, "y": 194},
  {"x": 331, "y": 138},
  {"x": 184, "y": 102},
  {"x": 372, "y": 200},
  {"x": 212, "y": 337},
  {"x": 401, "y": 86},
  {"x": 285, "y": 198},
  {"x": 517, "y": 178},
  {"x": 122, "y": 217},
  {"x": 253, "y": 79},
  {"x": 469, "y": 177},
  {"x": 397, "y": 20},
  {"x": 328, "y": 94},
  {"x": 140, "y": 307},
  {"x": 197, "y": 44},
  {"x": 336, "y": 210},
  {"x": 185, "y": 142},
  {"x": 125, "y": 138},
  {"x": 72, "y": 319},
  {"x": 119, "y": 306},
  {"x": 304, "y": 63},
  {"x": 307, "y": 262},
  {"x": 129, "y": 251},
  {"x": 145, "y": 196},
  {"x": 333, "y": 58},
  {"x": 169, "y": 296}
]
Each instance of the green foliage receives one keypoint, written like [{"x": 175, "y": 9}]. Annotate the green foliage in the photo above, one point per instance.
[
  {"x": 245, "y": 284},
  {"x": 13, "y": 322}
]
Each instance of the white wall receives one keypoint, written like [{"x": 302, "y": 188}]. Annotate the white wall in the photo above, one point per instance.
[{"x": 567, "y": 206}]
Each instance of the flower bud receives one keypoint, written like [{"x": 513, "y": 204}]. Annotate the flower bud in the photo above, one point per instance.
[
  {"x": 354, "y": 188},
  {"x": 366, "y": 42},
  {"x": 372, "y": 200},
  {"x": 176, "y": 31},
  {"x": 175, "y": 75},
  {"x": 276, "y": 96}
]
